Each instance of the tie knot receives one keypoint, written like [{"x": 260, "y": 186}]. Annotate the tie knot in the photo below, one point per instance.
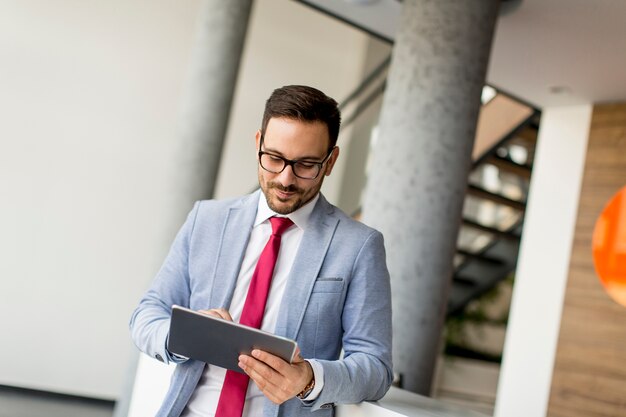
[{"x": 280, "y": 224}]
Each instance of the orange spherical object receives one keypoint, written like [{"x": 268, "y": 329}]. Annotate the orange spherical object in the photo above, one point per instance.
[{"x": 609, "y": 247}]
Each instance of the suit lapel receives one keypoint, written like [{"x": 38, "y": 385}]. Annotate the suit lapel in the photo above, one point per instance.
[
  {"x": 305, "y": 269},
  {"x": 233, "y": 242}
]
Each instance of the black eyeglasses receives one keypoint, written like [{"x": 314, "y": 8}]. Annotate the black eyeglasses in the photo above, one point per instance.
[{"x": 307, "y": 170}]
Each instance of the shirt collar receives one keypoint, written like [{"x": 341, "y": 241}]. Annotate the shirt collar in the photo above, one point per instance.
[{"x": 300, "y": 217}]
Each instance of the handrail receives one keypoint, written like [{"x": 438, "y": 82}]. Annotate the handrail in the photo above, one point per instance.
[
  {"x": 365, "y": 103},
  {"x": 366, "y": 82}
]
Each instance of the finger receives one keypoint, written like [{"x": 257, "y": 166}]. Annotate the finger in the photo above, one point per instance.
[
  {"x": 211, "y": 313},
  {"x": 274, "y": 362},
  {"x": 297, "y": 356},
  {"x": 224, "y": 314},
  {"x": 263, "y": 377},
  {"x": 219, "y": 313},
  {"x": 276, "y": 372},
  {"x": 259, "y": 372},
  {"x": 257, "y": 369}
]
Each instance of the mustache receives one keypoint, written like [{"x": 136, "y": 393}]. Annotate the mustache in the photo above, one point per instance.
[{"x": 288, "y": 189}]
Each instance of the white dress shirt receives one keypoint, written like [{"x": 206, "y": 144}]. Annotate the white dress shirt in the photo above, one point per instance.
[{"x": 203, "y": 402}]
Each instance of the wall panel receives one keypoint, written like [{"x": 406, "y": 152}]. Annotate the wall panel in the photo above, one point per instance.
[{"x": 590, "y": 368}]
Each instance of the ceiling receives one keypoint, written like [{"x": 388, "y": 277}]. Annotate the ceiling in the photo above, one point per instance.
[{"x": 547, "y": 52}]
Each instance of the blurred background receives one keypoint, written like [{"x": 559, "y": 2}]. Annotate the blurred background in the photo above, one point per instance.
[{"x": 98, "y": 170}]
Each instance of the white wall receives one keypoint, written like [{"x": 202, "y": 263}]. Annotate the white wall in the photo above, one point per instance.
[
  {"x": 543, "y": 263},
  {"x": 149, "y": 387},
  {"x": 89, "y": 97}
]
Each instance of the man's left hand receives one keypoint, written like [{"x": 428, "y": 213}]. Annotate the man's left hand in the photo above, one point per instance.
[{"x": 278, "y": 380}]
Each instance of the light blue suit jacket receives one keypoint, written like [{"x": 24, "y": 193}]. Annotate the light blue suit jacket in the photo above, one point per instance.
[{"x": 337, "y": 296}]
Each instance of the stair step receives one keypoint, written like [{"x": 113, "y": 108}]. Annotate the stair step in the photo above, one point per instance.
[
  {"x": 464, "y": 281},
  {"x": 526, "y": 137},
  {"x": 508, "y": 165},
  {"x": 496, "y": 198},
  {"x": 488, "y": 229},
  {"x": 479, "y": 257}
]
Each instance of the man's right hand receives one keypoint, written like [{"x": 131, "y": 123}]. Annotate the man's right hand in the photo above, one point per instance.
[{"x": 220, "y": 313}]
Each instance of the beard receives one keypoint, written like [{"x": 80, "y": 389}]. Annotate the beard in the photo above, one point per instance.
[
  {"x": 298, "y": 198},
  {"x": 283, "y": 206}
]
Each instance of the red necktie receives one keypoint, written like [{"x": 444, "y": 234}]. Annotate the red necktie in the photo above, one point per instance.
[{"x": 235, "y": 386}]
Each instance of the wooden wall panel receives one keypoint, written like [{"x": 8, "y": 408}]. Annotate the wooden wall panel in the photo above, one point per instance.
[{"x": 590, "y": 367}]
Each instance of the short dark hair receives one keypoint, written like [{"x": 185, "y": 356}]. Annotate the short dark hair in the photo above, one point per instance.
[{"x": 306, "y": 104}]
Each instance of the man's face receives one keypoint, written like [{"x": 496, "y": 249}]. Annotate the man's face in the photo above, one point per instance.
[{"x": 295, "y": 140}]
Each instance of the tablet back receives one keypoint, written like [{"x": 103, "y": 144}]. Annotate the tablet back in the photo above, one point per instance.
[{"x": 220, "y": 342}]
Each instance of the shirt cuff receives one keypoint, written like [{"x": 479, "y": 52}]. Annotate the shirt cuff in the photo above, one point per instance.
[
  {"x": 173, "y": 357},
  {"x": 318, "y": 374}
]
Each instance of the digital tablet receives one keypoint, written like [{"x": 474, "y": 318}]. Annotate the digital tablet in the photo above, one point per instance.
[{"x": 220, "y": 342}]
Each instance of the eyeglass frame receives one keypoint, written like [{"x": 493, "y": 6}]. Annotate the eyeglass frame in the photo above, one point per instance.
[{"x": 292, "y": 162}]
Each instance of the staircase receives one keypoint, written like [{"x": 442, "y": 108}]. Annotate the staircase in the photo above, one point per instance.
[
  {"x": 493, "y": 213},
  {"x": 487, "y": 245},
  {"x": 495, "y": 201}
]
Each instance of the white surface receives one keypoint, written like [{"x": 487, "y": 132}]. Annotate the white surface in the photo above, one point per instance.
[
  {"x": 540, "y": 44},
  {"x": 543, "y": 263},
  {"x": 89, "y": 94},
  {"x": 150, "y": 387},
  {"x": 381, "y": 17},
  {"x": 578, "y": 44},
  {"x": 399, "y": 402}
]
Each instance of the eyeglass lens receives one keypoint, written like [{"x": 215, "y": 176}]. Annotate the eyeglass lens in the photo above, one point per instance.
[{"x": 301, "y": 169}]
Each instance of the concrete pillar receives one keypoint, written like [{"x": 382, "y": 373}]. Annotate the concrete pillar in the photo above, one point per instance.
[
  {"x": 203, "y": 121},
  {"x": 208, "y": 96},
  {"x": 418, "y": 176}
]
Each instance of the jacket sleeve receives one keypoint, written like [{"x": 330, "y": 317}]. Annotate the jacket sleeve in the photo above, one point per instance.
[
  {"x": 149, "y": 323},
  {"x": 365, "y": 372}
]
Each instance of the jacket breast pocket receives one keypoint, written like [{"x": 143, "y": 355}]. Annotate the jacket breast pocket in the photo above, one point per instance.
[
  {"x": 328, "y": 285},
  {"x": 320, "y": 333}
]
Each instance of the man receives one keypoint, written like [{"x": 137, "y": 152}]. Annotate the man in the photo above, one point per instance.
[{"x": 328, "y": 283}]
